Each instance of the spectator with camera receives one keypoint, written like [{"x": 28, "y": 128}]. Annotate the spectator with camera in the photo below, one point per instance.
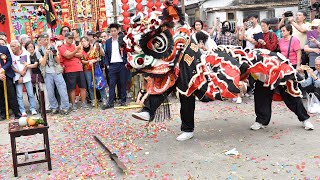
[
  {"x": 74, "y": 75},
  {"x": 225, "y": 36},
  {"x": 313, "y": 44},
  {"x": 22, "y": 76},
  {"x": 52, "y": 71}
]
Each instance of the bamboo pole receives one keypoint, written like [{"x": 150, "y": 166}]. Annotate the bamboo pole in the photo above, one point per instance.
[
  {"x": 5, "y": 91},
  {"x": 94, "y": 88}
]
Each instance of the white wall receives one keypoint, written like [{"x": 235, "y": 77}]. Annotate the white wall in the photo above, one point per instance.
[{"x": 279, "y": 11}]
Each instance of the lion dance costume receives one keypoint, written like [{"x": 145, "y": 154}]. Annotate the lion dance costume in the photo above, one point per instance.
[{"x": 160, "y": 46}]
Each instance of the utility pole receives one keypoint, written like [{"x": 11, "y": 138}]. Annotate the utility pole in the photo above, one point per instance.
[
  {"x": 115, "y": 16},
  {"x": 183, "y": 7}
]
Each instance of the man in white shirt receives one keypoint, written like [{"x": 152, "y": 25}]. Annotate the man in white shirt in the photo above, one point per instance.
[
  {"x": 116, "y": 59},
  {"x": 255, "y": 28},
  {"x": 22, "y": 76}
]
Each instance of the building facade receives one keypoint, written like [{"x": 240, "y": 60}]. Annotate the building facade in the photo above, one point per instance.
[{"x": 236, "y": 10}]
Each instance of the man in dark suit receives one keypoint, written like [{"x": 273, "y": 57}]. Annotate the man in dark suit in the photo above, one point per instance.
[
  {"x": 116, "y": 59},
  {"x": 5, "y": 66}
]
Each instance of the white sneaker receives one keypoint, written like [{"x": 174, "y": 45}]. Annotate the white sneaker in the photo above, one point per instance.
[
  {"x": 145, "y": 116},
  {"x": 34, "y": 112},
  {"x": 185, "y": 136},
  {"x": 239, "y": 100},
  {"x": 257, "y": 126},
  {"x": 24, "y": 114},
  {"x": 307, "y": 125}
]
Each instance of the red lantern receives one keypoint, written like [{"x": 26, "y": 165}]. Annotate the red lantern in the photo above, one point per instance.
[
  {"x": 126, "y": 21},
  {"x": 150, "y": 5},
  {"x": 125, "y": 7},
  {"x": 158, "y": 5},
  {"x": 126, "y": 14},
  {"x": 139, "y": 7}
]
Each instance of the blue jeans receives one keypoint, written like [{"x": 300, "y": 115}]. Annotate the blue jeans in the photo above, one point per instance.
[
  {"x": 32, "y": 100},
  {"x": 103, "y": 92},
  {"x": 52, "y": 79}
]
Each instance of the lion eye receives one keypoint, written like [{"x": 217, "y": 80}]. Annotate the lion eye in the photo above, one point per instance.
[{"x": 140, "y": 61}]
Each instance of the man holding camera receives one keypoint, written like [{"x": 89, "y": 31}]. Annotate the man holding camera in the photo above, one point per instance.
[
  {"x": 74, "y": 75},
  {"x": 52, "y": 72}
]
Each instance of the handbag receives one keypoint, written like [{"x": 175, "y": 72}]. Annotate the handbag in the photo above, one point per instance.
[
  {"x": 313, "y": 105},
  {"x": 100, "y": 82}
]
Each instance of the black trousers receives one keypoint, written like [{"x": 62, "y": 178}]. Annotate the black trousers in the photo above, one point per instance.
[
  {"x": 186, "y": 110},
  {"x": 12, "y": 97},
  {"x": 263, "y": 101}
]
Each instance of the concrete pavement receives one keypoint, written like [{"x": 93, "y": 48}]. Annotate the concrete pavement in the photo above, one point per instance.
[{"x": 284, "y": 150}]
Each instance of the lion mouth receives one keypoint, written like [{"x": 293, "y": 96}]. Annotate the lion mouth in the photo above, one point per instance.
[{"x": 162, "y": 69}]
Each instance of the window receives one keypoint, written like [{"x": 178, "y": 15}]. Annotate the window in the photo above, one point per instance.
[{"x": 231, "y": 16}]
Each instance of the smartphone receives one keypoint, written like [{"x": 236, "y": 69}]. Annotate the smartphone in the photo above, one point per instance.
[
  {"x": 23, "y": 59},
  {"x": 313, "y": 33}
]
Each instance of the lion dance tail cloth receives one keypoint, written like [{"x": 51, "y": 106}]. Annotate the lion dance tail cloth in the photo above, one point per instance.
[{"x": 160, "y": 46}]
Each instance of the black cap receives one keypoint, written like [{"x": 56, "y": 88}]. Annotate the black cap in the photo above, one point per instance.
[
  {"x": 3, "y": 34},
  {"x": 43, "y": 35},
  {"x": 91, "y": 33},
  {"x": 69, "y": 34}
]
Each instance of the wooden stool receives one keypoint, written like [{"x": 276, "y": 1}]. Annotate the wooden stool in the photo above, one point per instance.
[{"x": 16, "y": 131}]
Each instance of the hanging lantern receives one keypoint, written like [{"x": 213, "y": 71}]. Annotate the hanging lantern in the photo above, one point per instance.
[
  {"x": 175, "y": 2},
  {"x": 139, "y": 6},
  {"x": 150, "y": 5},
  {"x": 158, "y": 5},
  {"x": 126, "y": 15}
]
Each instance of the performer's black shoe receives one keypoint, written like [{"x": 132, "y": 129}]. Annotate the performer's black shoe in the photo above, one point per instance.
[
  {"x": 123, "y": 104},
  {"x": 143, "y": 115},
  {"x": 205, "y": 99}
]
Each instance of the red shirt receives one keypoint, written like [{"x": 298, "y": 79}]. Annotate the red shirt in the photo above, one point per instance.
[
  {"x": 70, "y": 65},
  {"x": 271, "y": 41}
]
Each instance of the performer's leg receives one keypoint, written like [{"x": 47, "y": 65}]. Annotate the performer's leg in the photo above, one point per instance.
[
  {"x": 151, "y": 104},
  {"x": 187, "y": 112},
  {"x": 154, "y": 101},
  {"x": 294, "y": 104},
  {"x": 262, "y": 103}
]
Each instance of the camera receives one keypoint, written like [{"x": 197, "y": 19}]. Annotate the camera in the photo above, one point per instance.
[
  {"x": 98, "y": 41},
  {"x": 53, "y": 50},
  {"x": 288, "y": 14}
]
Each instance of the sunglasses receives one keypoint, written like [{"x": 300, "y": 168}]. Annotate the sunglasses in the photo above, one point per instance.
[{"x": 70, "y": 37}]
